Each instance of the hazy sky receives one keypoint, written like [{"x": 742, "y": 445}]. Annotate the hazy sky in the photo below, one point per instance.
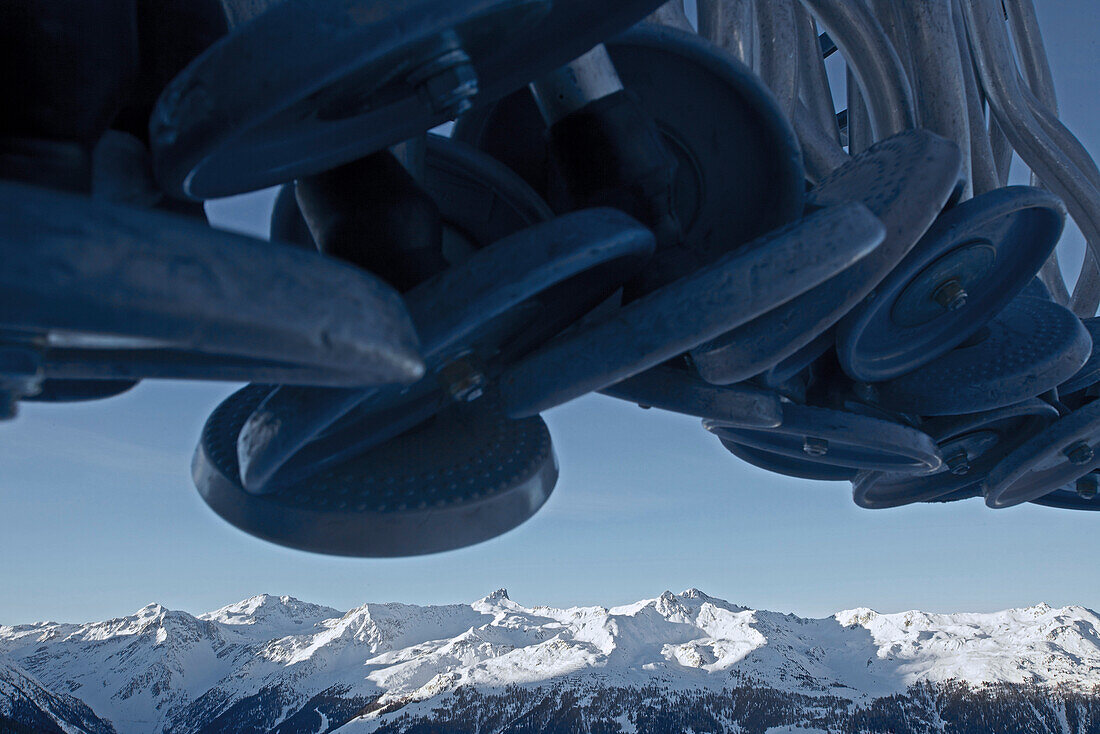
[{"x": 99, "y": 516}]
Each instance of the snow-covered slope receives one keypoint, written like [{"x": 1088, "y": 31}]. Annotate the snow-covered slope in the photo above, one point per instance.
[
  {"x": 276, "y": 663},
  {"x": 264, "y": 617},
  {"x": 1038, "y": 644},
  {"x": 26, "y": 701}
]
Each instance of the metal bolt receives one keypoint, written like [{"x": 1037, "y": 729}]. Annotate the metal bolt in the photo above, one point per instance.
[
  {"x": 950, "y": 294},
  {"x": 465, "y": 382},
  {"x": 813, "y": 446},
  {"x": 958, "y": 462},
  {"x": 1079, "y": 453},
  {"x": 448, "y": 81},
  {"x": 1087, "y": 486},
  {"x": 470, "y": 389}
]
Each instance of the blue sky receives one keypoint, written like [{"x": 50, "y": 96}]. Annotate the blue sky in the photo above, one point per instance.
[{"x": 100, "y": 516}]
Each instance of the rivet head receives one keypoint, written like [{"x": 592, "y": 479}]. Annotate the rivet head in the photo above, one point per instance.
[
  {"x": 958, "y": 463},
  {"x": 1087, "y": 487},
  {"x": 448, "y": 82},
  {"x": 950, "y": 294},
  {"x": 465, "y": 381},
  {"x": 1078, "y": 453},
  {"x": 813, "y": 446}
]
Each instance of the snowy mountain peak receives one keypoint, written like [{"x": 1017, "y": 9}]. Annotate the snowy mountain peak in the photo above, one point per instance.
[
  {"x": 498, "y": 598},
  {"x": 268, "y": 609},
  {"x": 670, "y": 605},
  {"x": 149, "y": 615},
  {"x": 855, "y": 617},
  {"x": 498, "y": 601},
  {"x": 282, "y": 660}
]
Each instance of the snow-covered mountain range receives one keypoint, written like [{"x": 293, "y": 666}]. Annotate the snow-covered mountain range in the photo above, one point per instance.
[{"x": 673, "y": 663}]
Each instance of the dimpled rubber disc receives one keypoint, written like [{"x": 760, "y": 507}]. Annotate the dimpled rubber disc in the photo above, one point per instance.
[
  {"x": 789, "y": 466},
  {"x": 525, "y": 283},
  {"x": 307, "y": 86},
  {"x": 501, "y": 302},
  {"x": 739, "y": 169},
  {"x": 114, "y": 292},
  {"x": 466, "y": 475},
  {"x": 1068, "y": 498},
  {"x": 904, "y": 180},
  {"x": 991, "y": 246},
  {"x": 300, "y": 87},
  {"x": 1029, "y": 348},
  {"x": 839, "y": 439},
  {"x": 663, "y": 324},
  {"x": 1089, "y": 374},
  {"x": 1065, "y": 451},
  {"x": 973, "y": 443}
]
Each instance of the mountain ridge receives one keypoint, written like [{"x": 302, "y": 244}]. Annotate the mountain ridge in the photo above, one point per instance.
[{"x": 276, "y": 663}]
